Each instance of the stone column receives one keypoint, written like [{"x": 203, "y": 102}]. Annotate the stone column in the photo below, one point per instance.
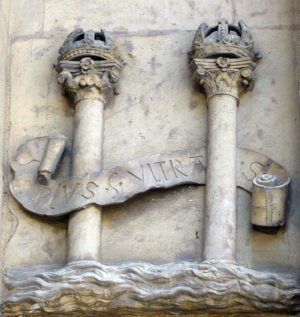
[
  {"x": 222, "y": 62},
  {"x": 220, "y": 198},
  {"x": 85, "y": 225},
  {"x": 89, "y": 67}
]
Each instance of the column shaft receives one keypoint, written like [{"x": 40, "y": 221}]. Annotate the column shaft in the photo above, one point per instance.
[
  {"x": 84, "y": 232},
  {"x": 220, "y": 197}
]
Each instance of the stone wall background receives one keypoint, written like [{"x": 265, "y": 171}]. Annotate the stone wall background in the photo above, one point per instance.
[
  {"x": 159, "y": 110},
  {"x": 4, "y": 99}
]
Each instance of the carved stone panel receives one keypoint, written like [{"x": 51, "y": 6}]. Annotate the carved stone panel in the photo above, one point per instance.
[{"x": 88, "y": 156}]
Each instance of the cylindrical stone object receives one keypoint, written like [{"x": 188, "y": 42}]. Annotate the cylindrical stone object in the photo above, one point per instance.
[
  {"x": 54, "y": 149},
  {"x": 88, "y": 135},
  {"x": 221, "y": 179},
  {"x": 84, "y": 231},
  {"x": 268, "y": 201}
]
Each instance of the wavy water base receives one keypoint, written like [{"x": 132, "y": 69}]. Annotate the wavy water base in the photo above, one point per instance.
[{"x": 90, "y": 288}]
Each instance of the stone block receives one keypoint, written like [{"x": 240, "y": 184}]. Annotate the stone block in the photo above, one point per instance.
[
  {"x": 33, "y": 239},
  {"x": 149, "y": 17},
  {"x": 164, "y": 112},
  {"x": 26, "y": 17},
  {"x": 268, "y": 122},
  {"x": 35, "y": 94},
  {"x": 272, "y": 106},
  {"x": 263, "y": 13},
  {"x": 158, "y": 227},
  {"x": 129, "y": 134}
]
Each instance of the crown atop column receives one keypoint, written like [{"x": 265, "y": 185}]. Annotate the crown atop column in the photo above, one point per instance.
[
  {"x": 93, "y": 44},
  {"x": 223, "y": 39},
  {"x": 89, "y": 65},
  {"x": 223, "y": 58}
]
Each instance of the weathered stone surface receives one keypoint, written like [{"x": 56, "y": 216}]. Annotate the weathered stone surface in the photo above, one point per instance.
[
  {"x": 163, "y": 233},
  {"x": 89, "y": 66},
  {"x": 186, "y": 287},
  {"x": 158, "y": 60},
  {"x": 47, "y": 238},
  {"x": 110, "y": 187},
  {"x": 276, "y": 132},
  {"x": 47, "y": 112},
  {"x": 5, "y": 7},
  {"x": 261, "y": 14},
  {"x": 4, "y": 96},
  {"x": 27, "y": 18},
  {"x": 272, "y": 113},
  {"x": 178, "y": 122},
  {"x": 268, "y": 204},
  {"x": 160, "y": 64},
  {"x": 140, "y": 15}
]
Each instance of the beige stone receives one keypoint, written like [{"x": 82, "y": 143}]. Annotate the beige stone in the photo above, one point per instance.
[
  {"x": 47, "y": 239},
  {"x": 46, "y": 107},
  {"x": 158, "y": 111},
  {"x": 262, "y": 14},
  {"x": 4, "y": 36},
  {"x": 5, "y": 7},
  {"x": 163, "y": 232},
  {"x": 272, "y": 109},
  {"x": 128, "y": 134},
  {"x": 220, "y": 200},
  {"x": 222, "y": 63},
  {"x": 140, "y": 15},
  {"x": 27, "y": 18}
]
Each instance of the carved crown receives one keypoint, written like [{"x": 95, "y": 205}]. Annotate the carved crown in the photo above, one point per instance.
[
  {"x": 93, "y": 44},
  {"x": 223, "y": 40}
]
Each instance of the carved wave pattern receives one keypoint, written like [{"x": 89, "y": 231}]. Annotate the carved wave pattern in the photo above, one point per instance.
[{"x": 90, "y": 288}]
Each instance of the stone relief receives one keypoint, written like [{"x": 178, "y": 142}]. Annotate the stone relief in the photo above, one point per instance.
[{"x": 222, "y": 61}]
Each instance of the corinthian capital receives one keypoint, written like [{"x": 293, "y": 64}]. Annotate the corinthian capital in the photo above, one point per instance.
[
  {"x": 223, "y": 76},
  {"x": 89, "y": 66},
  {"x": 89, "y": 80},
  {"x": 223, "y": 58}
]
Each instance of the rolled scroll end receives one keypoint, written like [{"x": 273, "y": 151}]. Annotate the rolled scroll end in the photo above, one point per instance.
[
  {"x": 44, "y": 177},
  {"x": 269, "y": 196},
  {"x": 54, "y": 149}
]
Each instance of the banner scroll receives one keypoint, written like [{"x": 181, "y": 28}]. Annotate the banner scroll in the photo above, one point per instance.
[{"x": 55, "y": 198}]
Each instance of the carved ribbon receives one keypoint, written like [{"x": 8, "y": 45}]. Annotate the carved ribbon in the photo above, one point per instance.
[{"x": 121, "y": 183}]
